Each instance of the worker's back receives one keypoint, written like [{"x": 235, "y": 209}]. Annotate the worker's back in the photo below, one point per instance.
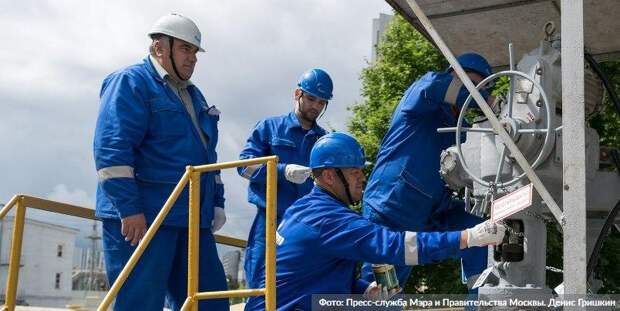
[{"x": 407, "y": 165}]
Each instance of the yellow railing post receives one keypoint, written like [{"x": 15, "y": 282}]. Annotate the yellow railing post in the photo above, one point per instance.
[
  {"x": 193, "y": 244},
  {"x": 270, "y": 238},
  {"x": 16, "y": 250},
  {"x": 150, "y": 233},
  {"x": 192, "y": 175},
  {"x": 5, "y": 210},
  {"x": 269, "y": 291}
]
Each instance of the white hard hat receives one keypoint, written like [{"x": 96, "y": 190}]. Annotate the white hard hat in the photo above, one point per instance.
[{"x": 178, "y": 26}]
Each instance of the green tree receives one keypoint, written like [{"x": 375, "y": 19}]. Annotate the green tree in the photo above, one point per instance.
[
  {"x": 607, "y": 124},
  {"x": 404, "y": 56}
]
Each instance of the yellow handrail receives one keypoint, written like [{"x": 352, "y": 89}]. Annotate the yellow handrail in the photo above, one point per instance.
[
  {"x": 67, "y": 209},
  {"x": 9, "y": 205},
  {"x": 193, "y": 296},
  {"x": 226, "y": 240},
  {"x": 192, "y": 174},
  {"x": 22, "y": 202},
  {"x": 193, "y": 230},
  {"x": 15, "y": 256},
  {"x": 150, "y": 233},
  {"x": 231, "y": 293},
  {"x": 88, "y": 213}
]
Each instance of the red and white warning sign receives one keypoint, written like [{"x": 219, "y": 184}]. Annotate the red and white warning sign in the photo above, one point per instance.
[{"x": 511, "y": 203}]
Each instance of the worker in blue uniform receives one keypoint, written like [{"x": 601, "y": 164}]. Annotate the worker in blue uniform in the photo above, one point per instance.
[
  {"x": 320, "y": 239},
  {"x": 152, "y": 123},
  {"x": 407, "y": 164},
  {"x": 290, "y": 137}
]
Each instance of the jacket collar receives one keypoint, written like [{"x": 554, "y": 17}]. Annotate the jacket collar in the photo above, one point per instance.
[
  {"x": 322, "y": 192},
  {"x": 293, "y": 122},
  {"x": 158, "y": 72}
]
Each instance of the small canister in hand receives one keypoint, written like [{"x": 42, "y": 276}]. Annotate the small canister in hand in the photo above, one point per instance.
[{"x": 385, "y": 275}]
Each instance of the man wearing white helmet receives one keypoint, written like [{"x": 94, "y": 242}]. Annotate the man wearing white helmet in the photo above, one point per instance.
[{"x": 152, "y": 123}]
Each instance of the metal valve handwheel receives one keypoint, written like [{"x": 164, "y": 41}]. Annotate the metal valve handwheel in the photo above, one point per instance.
[{"x": 510, "y": 124}]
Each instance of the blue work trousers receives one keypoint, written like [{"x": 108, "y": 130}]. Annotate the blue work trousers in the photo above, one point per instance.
[
  {"x": 161, "y": 272},
  {"x": 254, "y": 263}
]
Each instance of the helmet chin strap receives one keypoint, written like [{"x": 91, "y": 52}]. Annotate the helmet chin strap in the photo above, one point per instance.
[
  {"x": 299, "y": 99},
  {"x": 346, "y": 186},
  {"x": 324, "y": 109},
  {"x": 174, "y": 66}
]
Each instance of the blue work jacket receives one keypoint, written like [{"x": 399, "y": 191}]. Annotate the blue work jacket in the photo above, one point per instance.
[
  {"x": 143, "y": 141},
  {"x": 320, "y": 240},
  {"x": 284, "y": 137},
  {"x": 405, "y": 186}
]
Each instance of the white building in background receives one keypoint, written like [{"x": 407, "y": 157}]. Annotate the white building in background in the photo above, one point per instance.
[
  {"x": 378, "y": 28},
  {"x": 45, "y": 275},
  {"x": 233, "y": 267}
]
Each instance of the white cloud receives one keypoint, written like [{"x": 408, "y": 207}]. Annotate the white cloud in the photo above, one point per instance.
[
  {"x": 58, "y": 52},
  {"x": 62, "y": 193}
]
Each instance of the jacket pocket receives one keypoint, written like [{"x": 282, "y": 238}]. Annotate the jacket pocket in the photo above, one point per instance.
[
  {"x": 282, "y": 142},
  {"x": 167, "y": 119},
  {"x": 208, "y": 124},
  {"x": 284, "y": 148}
]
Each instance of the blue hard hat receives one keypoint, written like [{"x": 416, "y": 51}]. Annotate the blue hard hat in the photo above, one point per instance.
[
  {"x": 337, "y": 150},
  {"x": 474, "y": 62},
  {"x": 316, "y": 82}
]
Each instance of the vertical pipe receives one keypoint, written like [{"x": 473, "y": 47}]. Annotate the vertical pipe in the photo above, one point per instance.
[
  {"x": 574, "y": 157},
  {"x": 512, "y": 78},
  {"x": 270, "y": 240},
  {"x": 193, "y": 237},
  {"x": 16, "y": 250}
]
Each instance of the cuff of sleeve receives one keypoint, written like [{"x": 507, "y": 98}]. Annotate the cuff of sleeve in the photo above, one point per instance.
[
  {"x": 452, "y": 245},
  {"x": 454, "y": 241},
  {"x": 437, "y": 246},
  {"x": 411, "y": 248},
  {"x": 122, "y": 194},
  {"x": 127, "y": 211}
]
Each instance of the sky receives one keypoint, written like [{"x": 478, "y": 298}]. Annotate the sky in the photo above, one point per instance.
[{"x": 55, "y": 55}]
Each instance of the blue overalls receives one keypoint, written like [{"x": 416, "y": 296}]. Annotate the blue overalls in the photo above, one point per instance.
[
  {"x": 143, "y": 140},
  {"x": 405, "y": 190},
  {"x": 321, "y": 240},
  {"x": 284, "y": 137}
]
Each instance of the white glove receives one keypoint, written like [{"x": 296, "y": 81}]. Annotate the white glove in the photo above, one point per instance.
[
  {"x": 486, "y": 233},
  {"x": 296, "y": 173},
  {"x": 378, "y": 292},
  {"x": 219, "y": 219}
]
